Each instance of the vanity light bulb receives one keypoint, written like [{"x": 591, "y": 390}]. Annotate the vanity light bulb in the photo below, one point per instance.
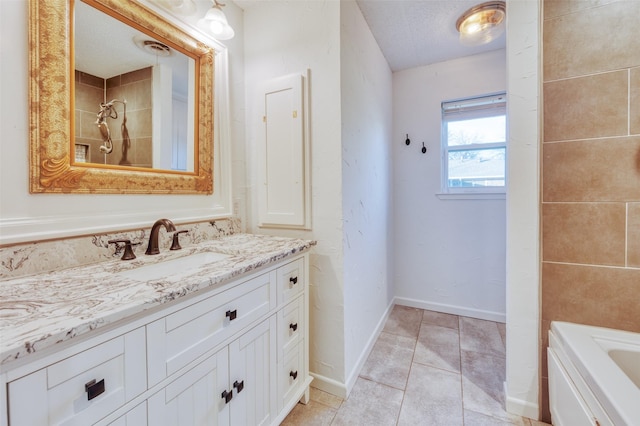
[{"x": 216, "y": 27}]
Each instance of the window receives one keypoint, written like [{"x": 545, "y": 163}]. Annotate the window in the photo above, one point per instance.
[{"x": 474, "y": 145}]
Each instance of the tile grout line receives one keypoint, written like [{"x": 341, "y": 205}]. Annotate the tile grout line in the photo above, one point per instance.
[
  {"x": 413, "y": 356},
  {"x": 460, "y": 365}
]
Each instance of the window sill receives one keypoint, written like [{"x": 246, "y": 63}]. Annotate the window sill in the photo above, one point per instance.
[{"x": 472, "y": 196}]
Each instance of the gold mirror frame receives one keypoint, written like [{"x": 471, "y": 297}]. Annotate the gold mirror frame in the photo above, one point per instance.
[{"x": 51, "y": 112}]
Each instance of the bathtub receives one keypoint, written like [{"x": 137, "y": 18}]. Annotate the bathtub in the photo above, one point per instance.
[{"x": 594, "y": 376}]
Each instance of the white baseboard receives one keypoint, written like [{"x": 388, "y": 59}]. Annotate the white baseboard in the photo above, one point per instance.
[
  {"x": 355, "y": 372},
  {"x": 328, "y": 385},
  {"x": 452, "y": 309},
  {"x": 344, "y": 389},
  {"x": 521, "y": 407}
]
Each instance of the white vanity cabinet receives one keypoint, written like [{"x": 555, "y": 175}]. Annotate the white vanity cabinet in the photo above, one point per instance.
[
  {"x": 234, "y": 386},
  {"x": 233, "y": 355},
  {"x": 82, "y": 388}
]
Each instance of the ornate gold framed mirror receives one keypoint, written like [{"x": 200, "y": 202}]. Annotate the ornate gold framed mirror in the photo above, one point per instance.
[{"x": 56, "y": 163}]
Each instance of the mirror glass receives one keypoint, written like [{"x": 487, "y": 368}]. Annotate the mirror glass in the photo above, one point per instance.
[
  {"x": 132, "y": 96},
  {"x": 81, "y": 55}
]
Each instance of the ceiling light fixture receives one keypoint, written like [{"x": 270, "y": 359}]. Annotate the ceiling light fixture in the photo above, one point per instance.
[
  {"x": 482, "y": 23},
  {"x": 216, "y": 23}
]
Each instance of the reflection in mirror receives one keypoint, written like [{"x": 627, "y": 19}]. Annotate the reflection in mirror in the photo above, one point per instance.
[
  {"x": 52, "y": 116},
  {"x": 132, "y": 95}
]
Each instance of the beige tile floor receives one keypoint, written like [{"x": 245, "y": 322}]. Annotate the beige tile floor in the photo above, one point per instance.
[{"x": 426, "y": 368}]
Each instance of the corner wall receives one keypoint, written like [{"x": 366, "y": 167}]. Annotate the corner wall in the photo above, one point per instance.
[
  {"x": 367, "y": 205},
  {"x": 590, "y": 168},
  {"x": 523, "y": 231}
]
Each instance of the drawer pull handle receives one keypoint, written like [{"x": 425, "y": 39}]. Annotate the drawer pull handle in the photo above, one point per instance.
[
  {"x": 293, "y": 280},
  {"x": 232, "y": 314},
  {"x": 294, "y": 327},
  {"x": 293, "y": 374},
  {"x": 94, "y": 389},
  {"x": 227, "y": 395},
  {"x": 238, "y": 385}
]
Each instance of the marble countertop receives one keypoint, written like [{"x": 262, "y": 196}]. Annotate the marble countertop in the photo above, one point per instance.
[{"x": 41, "y": 310}]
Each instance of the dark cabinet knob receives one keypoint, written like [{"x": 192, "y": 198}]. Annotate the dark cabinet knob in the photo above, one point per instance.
[
  {"x": 238, "y": 385},
  {"x": 232, "y": 314},
  {"x": 227, "y": 396},
  {"x": 94, "y": 389},
  {"x": 294, "y": 327},
  {"x": 293, "y": 280},
  {"x": 293, "y": 374}
]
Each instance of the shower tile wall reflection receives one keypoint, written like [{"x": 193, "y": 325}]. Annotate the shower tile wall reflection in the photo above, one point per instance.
[{"x": 136, "y": 88}]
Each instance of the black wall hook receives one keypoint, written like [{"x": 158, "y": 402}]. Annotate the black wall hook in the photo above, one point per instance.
[
  {"x": 424, "y": 148},
  {"x": 408, "y": 141}
]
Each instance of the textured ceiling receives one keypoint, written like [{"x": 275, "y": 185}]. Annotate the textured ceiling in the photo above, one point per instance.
[{"x": 412, "y": 33}]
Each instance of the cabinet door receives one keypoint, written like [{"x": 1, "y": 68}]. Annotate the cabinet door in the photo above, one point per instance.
[
  {"x": 195, "y": 397},
  {"x": 283, "y": 192},
  {"x": 253, "y": 375}
]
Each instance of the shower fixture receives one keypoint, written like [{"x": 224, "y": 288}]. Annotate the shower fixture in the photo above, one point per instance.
[{"x": 107, "y": 110}]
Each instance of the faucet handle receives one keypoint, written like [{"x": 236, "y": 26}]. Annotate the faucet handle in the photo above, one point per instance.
[
  {"x": 175, "y": 245},
  {"x": 128, "y": 248}
]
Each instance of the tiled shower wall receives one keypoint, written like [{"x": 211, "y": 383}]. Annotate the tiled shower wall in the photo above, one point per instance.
[
  {"x": 136, "y": 88},
  {"x": 590, "y": 167}
]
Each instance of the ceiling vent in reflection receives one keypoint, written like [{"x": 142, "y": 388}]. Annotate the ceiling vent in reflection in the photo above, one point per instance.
[{"x": 151, "y": 46}]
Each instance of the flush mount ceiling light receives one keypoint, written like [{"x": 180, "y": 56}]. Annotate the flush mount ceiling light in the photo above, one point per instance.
[
  {"x": 482, "y": 23},
  {"x": 216, "y": 23}
]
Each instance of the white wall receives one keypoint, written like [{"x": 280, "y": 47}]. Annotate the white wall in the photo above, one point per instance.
[
  {"x": 523, "y": 244},
  {"x": 350, "y": 122},
  {"x": 25, "y": 216},
  {"x": 285, "y": 37},
  {"x": 366, "y": 86},
  {"x": 449, "y": 254}
]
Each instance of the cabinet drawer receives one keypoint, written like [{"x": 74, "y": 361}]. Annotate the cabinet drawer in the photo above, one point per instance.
[
  {"x": 291, "y": 325},
  {"x": 291, "y": 280},
  {"x": 292, "y": 374},
  {"x": 180, "y": 338},
  {"x": 83, "y": 388}
]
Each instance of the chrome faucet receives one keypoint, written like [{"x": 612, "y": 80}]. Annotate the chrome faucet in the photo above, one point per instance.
[{"x": 152, "y": 248}]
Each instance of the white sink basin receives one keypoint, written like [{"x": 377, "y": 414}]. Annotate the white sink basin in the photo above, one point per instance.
[{"x": 174, "y": 268}]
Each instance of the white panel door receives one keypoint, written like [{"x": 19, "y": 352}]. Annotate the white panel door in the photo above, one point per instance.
[
  {"x": 195, "y": 398},
  {"x": 253, "y": 375},
  {"x": 282, "y": 198}
]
